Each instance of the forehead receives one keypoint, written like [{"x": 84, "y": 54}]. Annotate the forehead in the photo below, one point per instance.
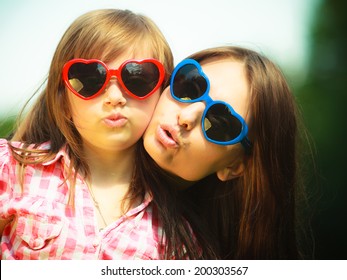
[
  {"x": 228, "y": 82},
  {"x": 133, "y": 51}
]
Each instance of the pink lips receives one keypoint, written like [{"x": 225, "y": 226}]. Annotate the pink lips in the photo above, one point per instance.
[
  {"x": 167, "y": 136},
  {"x": 115, "y": 120}
]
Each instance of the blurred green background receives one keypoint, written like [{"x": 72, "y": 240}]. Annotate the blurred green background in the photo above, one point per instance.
[{"x": 322, "y": 97}]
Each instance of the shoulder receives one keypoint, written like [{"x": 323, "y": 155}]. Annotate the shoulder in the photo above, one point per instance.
[
  {"x": 3, "y": 145},
  {"x": 9, "y": 148},
  {"x": 14, "y": 155},
  {"x": 6, "y": 145},
  {"x": 5, "y": 154}
]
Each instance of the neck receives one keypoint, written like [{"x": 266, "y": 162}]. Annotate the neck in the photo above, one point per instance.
[
  {"x": 177, "y": 182},
  {"x": 109, "y": 182},
  {"x": 110, "y": 167}
]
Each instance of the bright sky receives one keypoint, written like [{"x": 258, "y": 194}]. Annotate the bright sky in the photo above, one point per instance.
[{"x": 31, "y": 29}]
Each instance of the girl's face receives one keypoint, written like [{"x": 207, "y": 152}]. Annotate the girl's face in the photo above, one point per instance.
[
  {"x": 113, "y": 121},
  {"x": 174, "y": 138}
]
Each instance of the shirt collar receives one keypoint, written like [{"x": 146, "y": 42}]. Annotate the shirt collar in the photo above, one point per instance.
[{"x": 62, "y": 153}]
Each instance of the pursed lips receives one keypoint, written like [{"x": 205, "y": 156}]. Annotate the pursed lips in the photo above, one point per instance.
[
  {"x": 115, "y": 120},
  {"x": 167, "y": 135}
]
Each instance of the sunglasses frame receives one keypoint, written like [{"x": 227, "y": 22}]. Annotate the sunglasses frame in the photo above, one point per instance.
[
  {"x": 205, "y": 97},
  {"x": 113, "y": 72}
]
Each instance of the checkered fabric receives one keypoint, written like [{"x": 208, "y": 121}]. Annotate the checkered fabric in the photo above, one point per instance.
[{"x": 45, "y": 226}]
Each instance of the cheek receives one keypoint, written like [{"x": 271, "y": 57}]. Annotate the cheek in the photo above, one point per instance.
[
  {"x": 76, "y": 106},
  {"x": 200, "y": 167},
  {"x": 143, "y": 111},
  {"x": 81, "y": 112},
  {"x": 192, "y": 164},
  {"x": 165, "y": 101},
  {"x": 78, "y": 112},
  {"x": 141, "y": 116},
  {"x": 74, "y": 111},
  {"x": 148, "y": 106},
  {"x": 204, "y": 160}
]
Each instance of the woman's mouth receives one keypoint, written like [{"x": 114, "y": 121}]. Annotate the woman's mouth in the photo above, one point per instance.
[{"x": 167, "y": 136}]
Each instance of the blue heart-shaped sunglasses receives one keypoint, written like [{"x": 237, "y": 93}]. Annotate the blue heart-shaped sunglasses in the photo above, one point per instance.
[{"x": 220, "y": 123}]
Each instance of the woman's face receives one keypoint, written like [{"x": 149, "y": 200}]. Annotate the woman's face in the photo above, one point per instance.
[{"x": 174, "y": 137}]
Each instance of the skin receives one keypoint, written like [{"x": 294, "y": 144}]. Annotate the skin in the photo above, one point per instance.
[{"x": 184, "y": 151}]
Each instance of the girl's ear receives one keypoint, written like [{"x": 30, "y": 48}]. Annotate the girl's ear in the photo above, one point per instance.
[{"x": 232, "y": 171}]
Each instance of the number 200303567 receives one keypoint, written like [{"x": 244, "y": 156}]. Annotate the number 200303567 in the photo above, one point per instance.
[{"x": 220, "y": 270}]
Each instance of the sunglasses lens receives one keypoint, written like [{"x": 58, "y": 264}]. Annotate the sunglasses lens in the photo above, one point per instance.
[
  {"x": 140, "y": 78},
  {"x": 220, "y": 125},
  {"x": 188, "y": 84},
  {"x": 87, "y": 79}
]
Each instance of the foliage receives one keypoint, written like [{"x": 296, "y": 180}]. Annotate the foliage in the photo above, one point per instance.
[
  {"x": 6, "y": 127},
  {"x": 323, "y": 99}
]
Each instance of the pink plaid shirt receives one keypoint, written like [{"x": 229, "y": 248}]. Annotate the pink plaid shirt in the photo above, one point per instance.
[{"x": 44, "y": 226}]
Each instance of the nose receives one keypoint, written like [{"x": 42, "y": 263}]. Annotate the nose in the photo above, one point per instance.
[
  {"x": 114, "y": 94},
  {"x": 191, "y": 115}
]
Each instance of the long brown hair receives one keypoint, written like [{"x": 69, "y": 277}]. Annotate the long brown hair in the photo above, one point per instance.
[
  {"x": 185, "y": 233},
  {"x": 254, "y": 216},
  {"x": 102, "y": 34}
]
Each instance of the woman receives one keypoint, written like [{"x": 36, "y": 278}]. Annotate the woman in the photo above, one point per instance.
[{"x": 228, "y": 126}]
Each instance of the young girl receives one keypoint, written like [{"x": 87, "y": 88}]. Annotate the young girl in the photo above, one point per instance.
[
  {"x": 228, "y": 123},
  {"x": 69, "y": 185}
]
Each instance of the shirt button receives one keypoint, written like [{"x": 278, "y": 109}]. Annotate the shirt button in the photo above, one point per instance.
[
  {"x": 96, "y": 242},
  {"x": 37, "y": 243}
]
